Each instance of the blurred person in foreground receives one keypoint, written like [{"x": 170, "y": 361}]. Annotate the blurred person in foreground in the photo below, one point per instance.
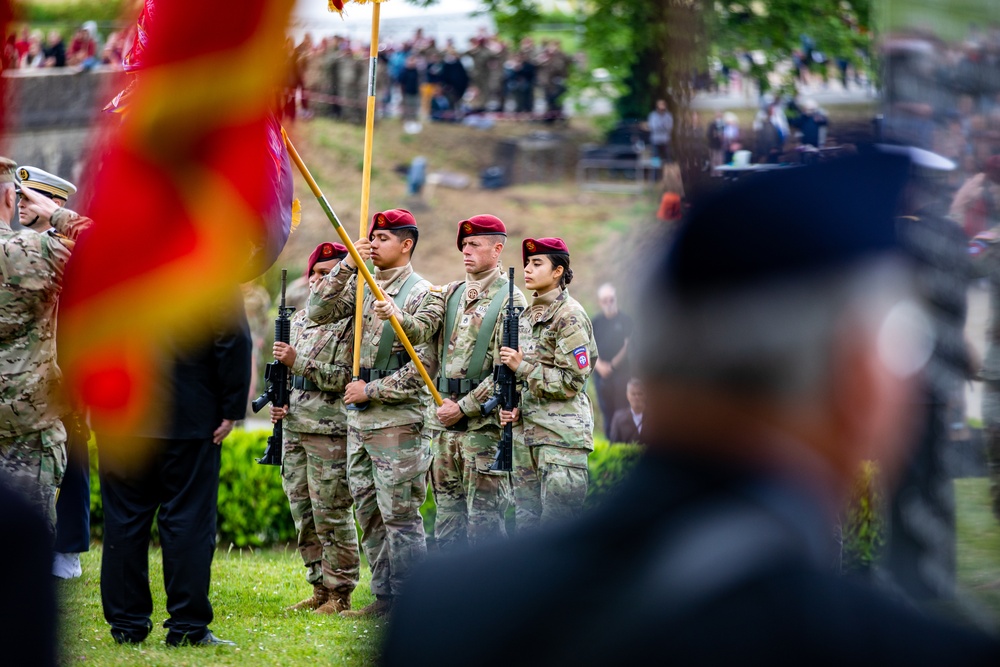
[{"x": 721, "y": 539}]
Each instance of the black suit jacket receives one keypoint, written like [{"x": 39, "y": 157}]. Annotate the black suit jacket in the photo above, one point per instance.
[
  {"x": 623, "y": 427},
  {"x": 204, "y": 384},
  {"x": 685, "y": 564}
]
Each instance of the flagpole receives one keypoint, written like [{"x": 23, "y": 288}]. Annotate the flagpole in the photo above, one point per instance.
[{"x": 366, "y": 179}]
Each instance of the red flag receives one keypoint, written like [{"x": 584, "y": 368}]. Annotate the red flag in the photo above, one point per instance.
[{"x": 192, "y": 195}]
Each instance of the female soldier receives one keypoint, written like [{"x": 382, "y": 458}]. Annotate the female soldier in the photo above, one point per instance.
[
  {"x": 550, "y": 466},
  {"x": 314, "y": 460}
]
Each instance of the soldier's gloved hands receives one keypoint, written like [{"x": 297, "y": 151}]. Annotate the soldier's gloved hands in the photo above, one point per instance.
[
  {"x": 225, "y": 428},
  {"x": 386, "y": 309},
  {"x": 509, "y": 416},
  {"x": 284, "y": 353},
  {"x": 364, "y": 248},
  {"x": 449, "y": 413},
  {"x": 354, "y": 392},
  {"x": 511, "y": 358},
  {"x": 278, "y": 414},
  {"x": 38, "y": 204}
]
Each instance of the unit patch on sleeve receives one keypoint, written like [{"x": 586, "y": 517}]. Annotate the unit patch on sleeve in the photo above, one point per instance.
[{"x": 582, "y": 360}]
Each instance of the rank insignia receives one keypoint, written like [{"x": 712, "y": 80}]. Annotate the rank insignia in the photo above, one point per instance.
[{"x": 582, "y": 360}]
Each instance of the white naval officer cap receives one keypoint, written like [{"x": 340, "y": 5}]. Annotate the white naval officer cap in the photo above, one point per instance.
[{"x": 44, "y": 182}]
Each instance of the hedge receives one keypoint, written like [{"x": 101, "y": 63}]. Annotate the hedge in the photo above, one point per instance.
[{"x": 253, "y": 510}]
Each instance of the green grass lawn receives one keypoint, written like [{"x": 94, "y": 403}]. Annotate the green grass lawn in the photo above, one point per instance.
[
  {"x": 250, "y": 590},
  {"x": 978, "y": 547}
]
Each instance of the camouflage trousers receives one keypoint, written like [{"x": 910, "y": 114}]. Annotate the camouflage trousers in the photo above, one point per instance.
[
  {"x": 314, "y": 477},
  {"x": 34, "y": 463},
  {"x": 471, "y": 499},
  {"x": 991, "y": 431},
  {"x": 387, "y": 471},
  {"x": 550, "y": 483}
]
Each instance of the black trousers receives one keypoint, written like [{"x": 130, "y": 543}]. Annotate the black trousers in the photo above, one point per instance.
[
  {"x": 180, "y": 478},
  {"x": 73, "y": 504}
]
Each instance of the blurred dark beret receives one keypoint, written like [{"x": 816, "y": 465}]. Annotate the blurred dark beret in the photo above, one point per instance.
[{"x": 780, "y": 224}]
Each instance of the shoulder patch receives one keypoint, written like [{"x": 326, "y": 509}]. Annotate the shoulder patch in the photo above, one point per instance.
[{"x": 582, "y": 358}]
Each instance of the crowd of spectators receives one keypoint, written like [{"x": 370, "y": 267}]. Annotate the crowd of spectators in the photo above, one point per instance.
[
  {"x": 421, "y": 78},
  {"x": 27, "y": 48}
]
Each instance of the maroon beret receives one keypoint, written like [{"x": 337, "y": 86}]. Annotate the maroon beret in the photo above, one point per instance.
[
  {"x": 324, "y": 252},
  {"x": 392, "y": 220},
  {"x": 480, "y": 225},
  {"x": 546, "y": 246}
]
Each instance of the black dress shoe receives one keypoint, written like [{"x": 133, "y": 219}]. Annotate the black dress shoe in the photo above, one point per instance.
[{"x": 208, "y": 640}]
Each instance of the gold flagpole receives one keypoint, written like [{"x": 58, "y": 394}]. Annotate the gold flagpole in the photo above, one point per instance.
[{"x": 366, "y": 179}]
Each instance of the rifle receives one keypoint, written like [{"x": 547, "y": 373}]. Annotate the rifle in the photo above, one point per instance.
[
  {"x": 276, "y": 374},
  {"x": 505, "y": 391}
]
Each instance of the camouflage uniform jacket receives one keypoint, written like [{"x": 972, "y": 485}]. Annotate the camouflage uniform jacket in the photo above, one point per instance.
[
  {"x": 324, "y": 355},
  {"x": 399, "y": 398},
  {"x": 472, "y": 307},
  {"x": 32, "y": 267},
  {"x": 559, "y": 354}
]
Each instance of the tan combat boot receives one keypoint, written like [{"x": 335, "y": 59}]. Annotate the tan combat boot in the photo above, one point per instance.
[
  {"x": 336, "y": 603},
  {"x": 381, "y": 607},
  {"x": 319, "y": 597}
]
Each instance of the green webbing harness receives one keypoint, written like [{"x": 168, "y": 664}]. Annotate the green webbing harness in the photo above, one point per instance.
[
  {"x": 388, "y": 338},
  {"x": 483, "y": 340}
]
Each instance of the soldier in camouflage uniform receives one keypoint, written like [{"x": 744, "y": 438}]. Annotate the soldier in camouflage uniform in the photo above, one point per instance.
[
  {"x": 550, "y": 465},
  {"x": 32, "y": 438},
  {"x": 314, "y": 458},
  {"x": 471, "y": 499},
  {"x": 386, "y": 461}
]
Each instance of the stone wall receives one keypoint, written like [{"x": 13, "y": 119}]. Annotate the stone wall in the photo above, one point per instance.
[{"x": 49, "y": 114}]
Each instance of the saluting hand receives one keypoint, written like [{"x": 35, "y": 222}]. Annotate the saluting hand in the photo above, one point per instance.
[
  {"x": 39, "y": 204},
  {"x": 511, "y": 358},
  {"x": 284, "y": 353},
  {"x": 364, "y": 248}
]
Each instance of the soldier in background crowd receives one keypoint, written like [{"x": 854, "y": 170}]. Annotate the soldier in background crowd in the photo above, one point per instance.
[
  {"x": 387, "y": 462},
  {"x": 73, "y": 503},
  {"x": 32, "y": 437},
  {"x": 557, "y": 339},
  {"x": 314, "y": 456},
  {"x": 471, "y": 499},
  {"x": 553, "y": 77}
]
